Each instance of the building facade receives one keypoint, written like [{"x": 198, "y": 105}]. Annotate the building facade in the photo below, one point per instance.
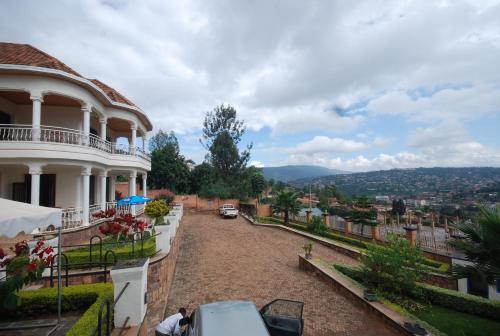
[{"x": 65, "y": 138}]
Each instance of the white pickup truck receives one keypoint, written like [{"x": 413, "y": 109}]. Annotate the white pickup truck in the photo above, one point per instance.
[{"x": 228, "y": 210}]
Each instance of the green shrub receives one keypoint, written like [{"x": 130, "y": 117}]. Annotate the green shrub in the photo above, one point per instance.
[
  {"x": 86, "y": 325},
  {"x": 73, "y": 298},
  {"x": 447, "y": 298},
  {"x": 387, "y": 267},
  {"x": 157, "y": 209},
  {"x": 122, "y": 252},
  {"x": 462, "y": 302},
  {"x": 317, "y": 226}
]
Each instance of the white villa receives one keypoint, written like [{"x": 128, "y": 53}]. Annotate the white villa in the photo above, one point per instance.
[{"x": 58, "y": 136}]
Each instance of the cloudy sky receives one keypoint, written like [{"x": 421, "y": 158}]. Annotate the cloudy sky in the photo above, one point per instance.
[{"x": 364, "y": 86}]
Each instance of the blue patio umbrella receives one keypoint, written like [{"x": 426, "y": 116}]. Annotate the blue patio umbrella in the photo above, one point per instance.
[{"x": 131, "y": 200}]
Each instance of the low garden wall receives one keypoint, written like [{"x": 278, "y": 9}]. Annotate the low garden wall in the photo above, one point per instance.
[
  {"x": 436, "y": 279},
  {"x": 197, "y": 203},
  {"x": 390, "y": 318}
]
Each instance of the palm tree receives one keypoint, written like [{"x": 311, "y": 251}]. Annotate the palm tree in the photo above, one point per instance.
[
  {"x": 481, "y": 245},
  {"x": 286, "y": 202}
]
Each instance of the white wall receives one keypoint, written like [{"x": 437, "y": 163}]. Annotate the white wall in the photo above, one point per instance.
[{"x": 9, "y": 175}]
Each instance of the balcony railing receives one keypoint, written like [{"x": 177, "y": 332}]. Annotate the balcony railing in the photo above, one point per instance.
[
  {"x": 60, "y": 135},
  {"x": 72, "y": 217}
]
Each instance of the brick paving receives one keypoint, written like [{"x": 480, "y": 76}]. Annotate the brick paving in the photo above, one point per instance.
[{"x": 234, "y": 260}]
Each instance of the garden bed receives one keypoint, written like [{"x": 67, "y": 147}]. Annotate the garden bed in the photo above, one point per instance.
[
  {"x": 432, "y": 266},
  {"x": 451, "y": 312},
  {"x": 122, "y": 251},
  {"x": 84, "y": 298}
]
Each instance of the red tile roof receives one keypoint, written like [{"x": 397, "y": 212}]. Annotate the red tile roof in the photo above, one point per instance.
[
  {"x": 25, "y": 54},
  {"x": 112, "y": 93}
]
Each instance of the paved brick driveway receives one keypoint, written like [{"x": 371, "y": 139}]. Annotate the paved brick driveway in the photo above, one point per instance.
[{"x": 232, "y": 259}]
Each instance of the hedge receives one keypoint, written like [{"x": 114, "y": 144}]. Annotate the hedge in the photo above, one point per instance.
[
  {"x": 81, "y": 256},
  {"x": 433, "y": 265},
  {"x": 462, "y": 302},
  {"x": 74, "y": 298},
  {"x": 447, "y": 298}
]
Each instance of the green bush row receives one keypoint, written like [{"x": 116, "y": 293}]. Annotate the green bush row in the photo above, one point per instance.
[
  {"x": 73, "y": 298},
  {"x": 462, "y": 302},
  {"x": 82, "y": 255},
  {"x": 434, "y": 266},
  {"x": 447, "y": 298}
]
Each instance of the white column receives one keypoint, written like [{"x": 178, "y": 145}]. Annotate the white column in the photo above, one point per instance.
[
  {"x": 102, "y": 189},
  {"x": 86, "y": 172},
  {"x": 131, "y": 189},
  {"x": 112, "y": 187},
  {"x": 133, "y": 128},
  {"x": 131, "y": 183},
  {"x": 103, "y": 123},
  {"x": 144, "y": 184},
  {"x": 86, "y": 108},
  {"x": 144, "y": 142},
  {"x": 35, "y": 171},
  {"x": 37, "y": 116}
]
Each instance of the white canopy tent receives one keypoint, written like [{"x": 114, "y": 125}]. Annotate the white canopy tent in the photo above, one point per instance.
[{"x": 16, "y": 217}]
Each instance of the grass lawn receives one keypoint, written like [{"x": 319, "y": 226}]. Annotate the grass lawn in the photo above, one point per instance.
[{"x": 456, "y": 323}]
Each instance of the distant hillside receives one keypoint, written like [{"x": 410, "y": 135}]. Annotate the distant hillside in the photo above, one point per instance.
[
  {"x": 456, "y": 182},
  {"x": 289, "y": 173}
]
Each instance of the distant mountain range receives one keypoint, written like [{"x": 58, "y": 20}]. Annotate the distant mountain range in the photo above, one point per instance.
[
  {"x": 290, "y": 173},
  {"x": 459, "y": 183}
]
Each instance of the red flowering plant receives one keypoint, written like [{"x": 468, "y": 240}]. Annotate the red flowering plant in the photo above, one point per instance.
[
  {"x": 110, "y": 213},
  {"x": 123, "y": 227},
  {"x": 23, "y": 268}
]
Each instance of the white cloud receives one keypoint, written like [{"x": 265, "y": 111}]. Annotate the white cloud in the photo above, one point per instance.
[
  {"x": 467, "y": 103},
  {"x": 323, "y": 144},
  {"x": 464, "y": 154},
  {"x": 256, "y": 164}
]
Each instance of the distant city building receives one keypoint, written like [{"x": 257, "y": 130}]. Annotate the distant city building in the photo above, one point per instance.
[{"x": 382, "y": 199}]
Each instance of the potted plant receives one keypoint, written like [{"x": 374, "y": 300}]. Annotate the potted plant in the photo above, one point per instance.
[
  {"x": 156, "y": 210},
  {"x": 308, "y": 250}
]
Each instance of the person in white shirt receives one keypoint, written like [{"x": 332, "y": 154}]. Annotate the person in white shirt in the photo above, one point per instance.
[{"x": 171, "y": 326}]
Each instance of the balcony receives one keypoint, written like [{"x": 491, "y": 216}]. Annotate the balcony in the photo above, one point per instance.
[
  {"x": 72, "y": 218},
  {"x": 58, "y": 135}
]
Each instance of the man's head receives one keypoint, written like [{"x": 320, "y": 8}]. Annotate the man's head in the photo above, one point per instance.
[{"x": 183, "y": 312}]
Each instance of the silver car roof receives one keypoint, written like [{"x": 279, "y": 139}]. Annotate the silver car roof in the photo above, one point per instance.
[{"x": 230, "y": 318}]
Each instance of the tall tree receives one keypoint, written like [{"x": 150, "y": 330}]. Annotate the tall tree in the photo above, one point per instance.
[
  {"x": 222, "y": 132},
  {"x": 286, "y": 202},
  {"x": 168, "y": 166},
  {"x": 258, "y": 183},
  {"x": 202, "y": 175}
]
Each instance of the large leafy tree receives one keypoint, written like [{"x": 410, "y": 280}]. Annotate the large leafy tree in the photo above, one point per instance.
[
  {"x": 201, "y": 175},
  {"x": 481, "y": 246},
  {"x": 258, "y": 183},
  {"x": 168, "y": 166},
  {"x": 286, "y": 202},
  {"x": 222, "y": 133}
]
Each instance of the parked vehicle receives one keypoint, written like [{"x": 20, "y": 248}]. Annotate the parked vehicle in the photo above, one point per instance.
[
  {"x": 229, "y": 318},
  {"x": 228, "y": 210}
]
